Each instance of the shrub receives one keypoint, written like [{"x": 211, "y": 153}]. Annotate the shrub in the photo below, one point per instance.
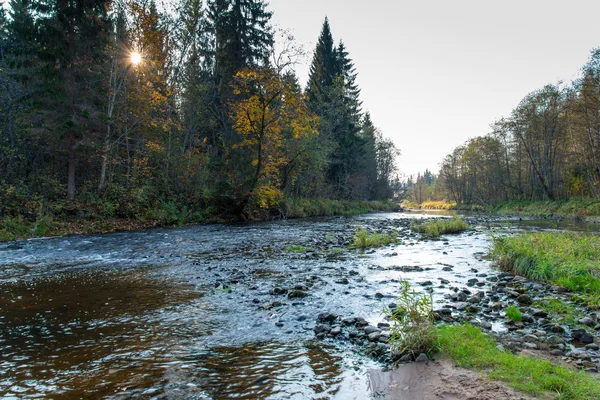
[
  {"x": 363, "y": 239},
  {"x": 412, "y": 323}
]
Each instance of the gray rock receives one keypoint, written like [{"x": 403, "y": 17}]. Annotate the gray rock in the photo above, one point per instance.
[
  {"x": 527, "y": 318},
  {"x": 326, "y": 317},
  {"x": 422, "y": 358},
  {"x": 336, "y": 330},
  {"x": 321, "y": 328},
  {"x": 297, "y": 294},
  {"x": 582, "y": 336},
  {"x": 370, "y": 329},
  {"x": 557, "y": 329},
  {"x": 586, "y": 321},
  {"x": 592, "y": 346},
  {"x": 524, "y": 299},
  {"x": 486, "y": 325},
  {"x": 538, "y": 313},
  {"x": 374, "y": 336}
]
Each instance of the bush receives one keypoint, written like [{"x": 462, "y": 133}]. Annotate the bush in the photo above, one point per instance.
[{"x": 412, "y": 323}]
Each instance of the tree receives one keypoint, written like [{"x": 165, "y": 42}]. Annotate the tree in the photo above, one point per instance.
[
  {"x": 267, "y": 107},
  {"x": 72, "y": 37}
]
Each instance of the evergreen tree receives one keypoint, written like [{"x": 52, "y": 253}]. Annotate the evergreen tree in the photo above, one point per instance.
[
  {"x": 323, "y": 69},
  {"x": 242, "y": 34},
  {"x": 72, "y": 37}
]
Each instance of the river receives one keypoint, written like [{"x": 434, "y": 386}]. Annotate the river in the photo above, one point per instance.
[{"x": 205, "y": 312}]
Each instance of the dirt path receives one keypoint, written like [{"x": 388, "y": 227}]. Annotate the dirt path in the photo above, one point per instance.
[{"x": 437, "y": 380}]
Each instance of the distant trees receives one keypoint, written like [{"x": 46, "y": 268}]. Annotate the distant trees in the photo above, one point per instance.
[
  {"x": 547, "y": 149},
  {"x": 203, "y": 121}
]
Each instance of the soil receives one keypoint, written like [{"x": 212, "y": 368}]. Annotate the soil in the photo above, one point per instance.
[{"x": 439, "y": 379}]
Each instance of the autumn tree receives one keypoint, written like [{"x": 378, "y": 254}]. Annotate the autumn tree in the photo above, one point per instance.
[{"x": 267, "y": 106}]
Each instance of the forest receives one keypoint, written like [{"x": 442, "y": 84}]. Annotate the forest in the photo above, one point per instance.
[
  {"x": 177, "y": 111},
  {"x": 547, "y": 148}
]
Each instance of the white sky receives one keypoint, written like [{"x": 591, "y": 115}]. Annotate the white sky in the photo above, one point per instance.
[{"x": 435, "y": 73}]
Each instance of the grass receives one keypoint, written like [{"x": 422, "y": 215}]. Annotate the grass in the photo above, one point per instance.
[
  {"x": 412, "y": 323},
  {"x": 303, "y": 208},
  {"x": 559, "y": 309},
  {"x": 571, "y": 260},
  {"x": 364, "y": 239},
  {"x": 576, "y": 207},
  {"x": 514, "y": 314},
  {"x": 438, "y": 227},
  {"x": 471, "y": 348},
  {"x": 295, "y": 249}
]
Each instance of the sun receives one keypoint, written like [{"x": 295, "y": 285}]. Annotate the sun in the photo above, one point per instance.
[{"x": 136, "y": 58}]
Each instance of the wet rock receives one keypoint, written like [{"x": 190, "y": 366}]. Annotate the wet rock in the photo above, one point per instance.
[
  {"x": 297, "y": 294},
  {"x": 360, "y": 322},
  {"x": 326, "y": 317},
  {"x": 336, "y": 330},
  {"x": 592, "y": 346},
  {"x": 447, "y": 269},
  {"x": 321, "y": 328},
  {"x": 582, "y": 336},
  {"x": 422, "y": 358},
  {"x": 370, "y": 329},
  {"x": 486, "y": 325},
  {"x": 277, "y": 291},
  {"x": 473, "y": 309},
  {"x": 443, "y": 311},
  {"x": 343, "y": 281},
  {"x": 472, "y": 281},
  {"x": 524, "y": 300},
  {"x": 586, "y": 321},
  {"x": 426, "y": 283},
  {"x": 383, "y": 325},
  {"x": 349, "y": 321},
  {"x": 538, "y": 313},
  {"x": 527, "y": 318},
  {"x": 556, "y": 352},
  {"x": 379, "y": 295},
  {"x": 406, "y": 358},
  {"x": 498, "y": 306},
  {"x": 374, "y": 336},
  {"x": 461, "y": 306},
  {"x": 473, "y": 300}
]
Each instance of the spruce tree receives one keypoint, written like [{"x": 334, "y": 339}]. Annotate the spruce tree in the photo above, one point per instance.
[
  {"x": 323, "y": 69},
  {"x": 72, "y": 35}
]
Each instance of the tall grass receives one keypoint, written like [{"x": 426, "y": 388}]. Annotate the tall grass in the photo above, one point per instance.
[
  {"x": 363, "y": 239},
  {"x": 566, "y": 259},
  {"x": 576, "y": 207},
  {"x": 469, "y": 347},
  {"x": 438, "y": 227},
  {"x": 303, "y": 208}
]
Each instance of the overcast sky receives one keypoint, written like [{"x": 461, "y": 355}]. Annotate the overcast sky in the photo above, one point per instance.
[{"x": 436, "y": 73}]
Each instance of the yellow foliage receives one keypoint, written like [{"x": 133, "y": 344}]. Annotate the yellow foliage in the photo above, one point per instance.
[{"x": 270, "y": 117}]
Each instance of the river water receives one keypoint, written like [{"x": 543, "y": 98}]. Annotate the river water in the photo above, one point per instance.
[{"x": 200, "y": 312}]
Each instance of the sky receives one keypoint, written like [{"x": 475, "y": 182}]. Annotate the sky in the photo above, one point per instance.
[{"x": 435, "y": 73}]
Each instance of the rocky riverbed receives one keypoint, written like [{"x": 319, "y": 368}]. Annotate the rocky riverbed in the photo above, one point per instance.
[{"x": 271, "y": 310}]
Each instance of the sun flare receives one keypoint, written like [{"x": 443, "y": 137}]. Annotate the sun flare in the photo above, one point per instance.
[{"x": 136, "y": 58}]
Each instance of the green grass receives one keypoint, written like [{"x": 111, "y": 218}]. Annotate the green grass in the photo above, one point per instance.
[
  {"x": 559, "y": 310},
  {"x": 295, "y": 249},
  {"x": 303, "y": 208},
  {"x": 364, "y": 239},
  {"x": 576, "y": 207},
  {"x": 438, "y": 227},
  {"x": 571, "y": 260},
  {"x": 514, "y": 314},
  {"x": 470, "y": 348}
]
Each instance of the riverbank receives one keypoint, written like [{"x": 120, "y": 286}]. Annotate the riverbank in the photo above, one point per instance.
[
  {"x": 577, "y": 208},
  {"x": 92, "y": 219}
]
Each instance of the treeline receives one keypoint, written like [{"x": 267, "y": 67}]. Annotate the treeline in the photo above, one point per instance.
[
  {"x": 129, "y": 109},
  {"x": 548, "y": 148}
]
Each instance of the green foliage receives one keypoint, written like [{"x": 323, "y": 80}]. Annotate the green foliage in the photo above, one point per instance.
[
  {"x": 575, "y": 207},
  {"x": 514, "y": 314},
  {"x": 437, "y": 227},
  {"x": 303, "y": 208},
  {"x": 295, "y": 249},
  {"x": 412, "y": 323},
  {"x": 363, "y": 239},
  {"x": 470, "y": 348},
  {"x": 560, "y": 310},
  {"x": 566, "y": 259}
]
